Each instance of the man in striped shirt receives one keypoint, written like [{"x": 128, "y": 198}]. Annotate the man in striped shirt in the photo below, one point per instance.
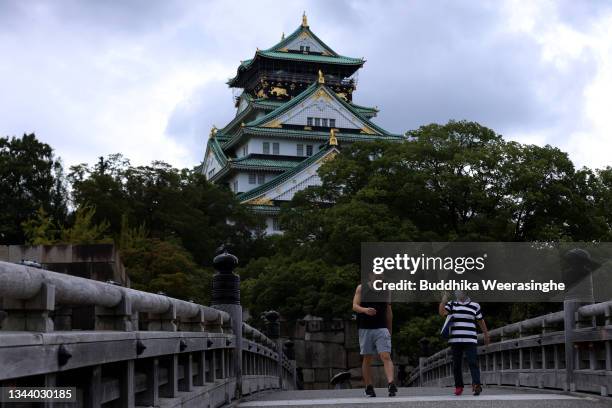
[{"x": 463, "y": 338}]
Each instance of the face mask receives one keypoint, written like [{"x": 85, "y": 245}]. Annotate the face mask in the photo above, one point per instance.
[{"x": 460, "y": 295}]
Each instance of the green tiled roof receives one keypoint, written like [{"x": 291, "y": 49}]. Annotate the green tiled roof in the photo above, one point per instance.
[
  {"x": 284, "y": 42},
  {"x": 328, "y": 59},
  {"x": 268, "y": 103},
  {"x": 305, "y": 94},
  {"x": 284, "y": 176},
  {"x": 217, "y": 151},
  {"x": 295, "y": 56},
  {"x": 308, "y": 135},
  {"x": 267, "y": 161}
]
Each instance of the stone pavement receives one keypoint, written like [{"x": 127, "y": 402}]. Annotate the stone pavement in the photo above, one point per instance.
[{"x": 426, "y": 397}]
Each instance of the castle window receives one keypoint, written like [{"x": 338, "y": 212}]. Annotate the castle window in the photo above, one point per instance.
[
  {"x": 300, "y": 150},
  {"x": 317, "y": 121},
  {"x": 308, "y": 150},
  {"x": 275, "y": 148},
  {"x": 252, "y": 178},
  {"x": 266, "y": 147},
  {"x": 261, "y": 178},
  {"x": 324, "y": 122},
  {"x": 332, "y": 123},
  {"x": 308, "y": 121}
]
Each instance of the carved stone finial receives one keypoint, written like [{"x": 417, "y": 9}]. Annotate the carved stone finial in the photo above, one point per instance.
[
  {"x": 321, "y": 77},
  {"x": 333, "y": 140},
  {"x": 304, "y": 20}
]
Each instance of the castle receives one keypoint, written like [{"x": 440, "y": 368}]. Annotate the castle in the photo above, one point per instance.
[{"x": 294, "y": 111}]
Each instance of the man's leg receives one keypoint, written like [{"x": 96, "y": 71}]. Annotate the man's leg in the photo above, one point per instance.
[
  {"x": 457, "y": 350},
  {"x": 471, "y": 352},
  {"x": 388, "y": 364},
  {"x": 383, "y": 346},
  {"x": 366, "y": 369}
]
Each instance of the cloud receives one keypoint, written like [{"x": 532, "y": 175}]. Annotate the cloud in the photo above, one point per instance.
[{"x": 147, "y": 78}]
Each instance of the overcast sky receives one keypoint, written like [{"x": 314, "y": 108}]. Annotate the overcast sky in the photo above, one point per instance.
[{"x": 147, "y": 78}]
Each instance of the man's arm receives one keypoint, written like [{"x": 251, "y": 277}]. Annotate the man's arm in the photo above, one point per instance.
[
  {"x": 389, "y": 318},
  {"x": 485, "y": 331},
  {"x": 442, "y": 306},
  {"x": 357, "y": 304}
]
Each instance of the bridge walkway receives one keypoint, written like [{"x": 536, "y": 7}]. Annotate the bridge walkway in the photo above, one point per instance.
[{"x": 426, "y": 397}]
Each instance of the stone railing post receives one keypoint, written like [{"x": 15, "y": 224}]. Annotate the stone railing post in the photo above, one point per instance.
[
  {"x": 273, "y": 332},
  {"x": 569, "y": 325},
  {"x": 226, "y": 297}
]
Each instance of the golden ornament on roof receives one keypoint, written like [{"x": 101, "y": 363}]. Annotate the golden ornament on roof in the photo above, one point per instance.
[
  {"x": 304, "y": 20},
  {"x": 333, "y": 140},
  {"x": 321, "y": 77}
]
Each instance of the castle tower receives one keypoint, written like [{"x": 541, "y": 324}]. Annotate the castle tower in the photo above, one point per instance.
[{"x": 296, "y": 97}]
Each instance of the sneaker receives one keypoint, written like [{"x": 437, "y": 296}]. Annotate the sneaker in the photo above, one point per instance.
[
  {"x": 392, "y": 390},
  {"x": 369, "y": 391},
  {"x": 458, "y": 391},
  {"x": 477, "y": 389}
]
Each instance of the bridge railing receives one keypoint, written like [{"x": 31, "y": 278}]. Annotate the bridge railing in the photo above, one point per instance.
[
  {"x": 127, "y": 347},
  {"x": 569, "y": 350}
]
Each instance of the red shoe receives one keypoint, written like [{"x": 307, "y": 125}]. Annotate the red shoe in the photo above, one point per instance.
[{"x": 458, "y": 391}]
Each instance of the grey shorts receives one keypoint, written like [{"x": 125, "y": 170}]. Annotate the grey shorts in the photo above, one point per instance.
[{"x": 374, "y": 341}]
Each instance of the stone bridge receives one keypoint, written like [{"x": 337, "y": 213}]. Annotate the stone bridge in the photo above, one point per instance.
[
  {"x": 142, "y": 349},
  {"x": 120, "y": 347}
]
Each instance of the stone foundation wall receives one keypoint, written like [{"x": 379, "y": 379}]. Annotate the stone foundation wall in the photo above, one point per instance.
[{"x": 323, "y": 348}]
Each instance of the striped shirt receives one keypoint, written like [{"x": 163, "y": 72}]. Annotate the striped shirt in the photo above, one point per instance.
[{"x": 463, "y": 321}]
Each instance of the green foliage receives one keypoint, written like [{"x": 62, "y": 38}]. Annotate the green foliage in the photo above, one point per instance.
[
  {"x": 155, "y": 266},
  {"x": 84, "y": 230},
  {"x": 455, "y": 182},
  {"x": 415, "y": 328},
  {"x": 40, "y": 230},
  {"x": 296, "y": 287},
  {"x": 30, "y": 178},
  {"x": 172, "y": 204}
]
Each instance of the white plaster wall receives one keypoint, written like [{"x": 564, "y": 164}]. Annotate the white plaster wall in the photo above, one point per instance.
[
  {"x": 305, "y": 41},
  {"x": 286, "y": 147},
  {"x": 321, "y": 108}
]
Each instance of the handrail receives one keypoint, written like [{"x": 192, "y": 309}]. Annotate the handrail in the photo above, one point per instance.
[
  {"x": 570, "y": 350},
  {"x": 23, "y": 282},
  {"x": 40, "y": 309}
]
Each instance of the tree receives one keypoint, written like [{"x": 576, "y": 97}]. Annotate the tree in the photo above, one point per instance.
[
  {"x": 30, "y": 178},
  {"x": 40, "y": 230},
  {"x": 155, "y": 266},
  {"x": 84, "y": 230},
  {"x": 296, "y": 288},
  {"x": 455, "y": 182},
  {"x": 172, "y": 204}
]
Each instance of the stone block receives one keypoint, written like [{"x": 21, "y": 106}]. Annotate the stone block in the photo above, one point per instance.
[
  {"x": 353, "y": 359},
  {"x": 351, "y": 335},
  {"x": 300, "y": 330},
  {"x": 321, "y": 355},
  {"x": 300, "y": 353},
  {"x": 56, "y": 254},
  {"x": 308, "y": 374},
  {"x": 321, "y": 375},
  {"x": 4, "y": 253},
  {"x": 326, "y": 336}
]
